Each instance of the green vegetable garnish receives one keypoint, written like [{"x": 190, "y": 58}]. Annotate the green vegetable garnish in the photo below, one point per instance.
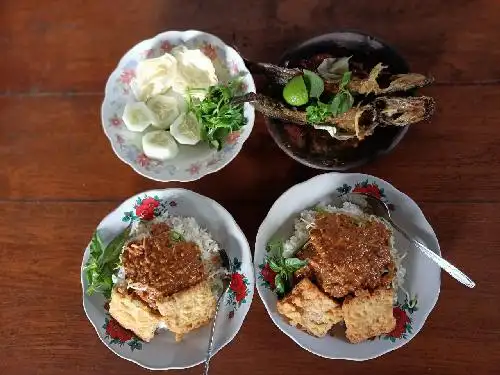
[
  {"x": 284, "y": 267},
  {"x": 102, "y": 262},
  {"x": 318, "y": 112},
  {"x": 343, "y": 100},
  {"x": 176, "y": 236},
  {"x": 314, "y": 84},
  {"x": 217, "y": 114}
]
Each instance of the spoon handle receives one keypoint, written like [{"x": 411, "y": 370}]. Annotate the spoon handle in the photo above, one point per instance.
[
  {"x": 212, "y": 331},
  {"x": 441, "y": 262}
]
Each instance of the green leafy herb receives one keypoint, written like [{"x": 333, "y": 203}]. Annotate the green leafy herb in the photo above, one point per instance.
[
  {"x": 346, "y": 77},
  {"x": 343, "y": 100},
  {"x": 314, "y": 84},
  {"x": 103, "y": 261},
  {"x": 217, "y": 113},
  {"x": 318, "y": 112},
  {"x": 176, "y": 236},
  {"x": 280, "y": 284},
  {"x": 284, "y": 267}
]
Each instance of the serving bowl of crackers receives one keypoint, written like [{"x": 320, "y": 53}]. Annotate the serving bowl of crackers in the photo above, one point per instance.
[{"x": 339, "y": 281}]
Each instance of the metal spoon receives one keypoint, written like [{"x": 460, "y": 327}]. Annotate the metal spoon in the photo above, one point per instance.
[
  {"x": 376, "y": 207},
  {"x": 226, "y": 280}
]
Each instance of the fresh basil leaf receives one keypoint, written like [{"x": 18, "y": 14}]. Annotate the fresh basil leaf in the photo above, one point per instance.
[
  {"x": 114, "y": 248},
  {"x": 314, "y": 83},
  {"x": 346, "y": 77},
  {"x": 274, "y": 265},
  {"x": 335, "y": 105},
  {"x": 345, "y": 103},
  {"x": 280, "y": 284},
  {"x": 96, "y": 246},
  {"x": 294, "y": 264}
]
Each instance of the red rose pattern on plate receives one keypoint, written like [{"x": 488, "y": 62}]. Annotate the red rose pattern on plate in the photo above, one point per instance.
[
  {"x": 209, "y": 51},
  {"x": 127, "y": 76},
  {"x": 238, "y": 288},
  {"x": 366, "y": 187},
  {"x": 116, "y": 334},
  {"x": 402, "y": 311},
  {"x": 147, "y": 208},
  {"x": 267, "y": 276}
]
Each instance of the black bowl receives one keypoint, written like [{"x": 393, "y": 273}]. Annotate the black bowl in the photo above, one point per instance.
[{"x": 341, "y": 155}]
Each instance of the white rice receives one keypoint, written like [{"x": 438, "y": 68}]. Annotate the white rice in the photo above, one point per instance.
[
  {"x": 306, "y": 219},
  {"x": 191, "y": 231}
]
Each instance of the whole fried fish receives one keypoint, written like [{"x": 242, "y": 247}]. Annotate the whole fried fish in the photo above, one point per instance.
[
  {"x": 395, "y": 111},
  {"x": 274, "y": 73},
  {"x": 397, "y": 83},
  {"x": 358, "y": 122}
]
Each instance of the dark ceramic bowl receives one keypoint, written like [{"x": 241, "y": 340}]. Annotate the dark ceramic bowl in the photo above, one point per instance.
[{"x": 340, "y": 155}]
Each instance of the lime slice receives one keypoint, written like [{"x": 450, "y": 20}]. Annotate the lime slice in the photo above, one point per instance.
[
  {"x": 186, "y": 129},
  {"x": 295, "y": 92}
]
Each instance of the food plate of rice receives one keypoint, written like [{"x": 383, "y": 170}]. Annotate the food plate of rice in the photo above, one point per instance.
[
  {"x": 340, "y": 282},
  {"x": 152, "y": 273}
]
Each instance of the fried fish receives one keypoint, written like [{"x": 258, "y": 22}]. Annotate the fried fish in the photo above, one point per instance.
[
  {"x": 396, "y": 111},
  {"x": 358, "y": 122},
  {"x": 363, "y": 86}
]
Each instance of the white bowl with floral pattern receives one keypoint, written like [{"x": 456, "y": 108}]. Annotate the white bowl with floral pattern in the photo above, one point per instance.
[
  {"x": 422, "y": 280},
  {"x": 162, "y": 352},
  {"x": 192, "y": 162}
]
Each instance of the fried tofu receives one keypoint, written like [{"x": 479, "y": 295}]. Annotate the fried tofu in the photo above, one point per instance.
[
  {"x": 309, "y": 309},
  {"x": 134, "y": 315},
  {"x": 368, "y": 315},
  {"x": 189, "y": 309}
]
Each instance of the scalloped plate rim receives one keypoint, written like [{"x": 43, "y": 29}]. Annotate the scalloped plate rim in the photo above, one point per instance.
[
  {"x": 251, "y": 286},
  {"x": 242, "y": 139},
  {"x": 359, "y": 177}
]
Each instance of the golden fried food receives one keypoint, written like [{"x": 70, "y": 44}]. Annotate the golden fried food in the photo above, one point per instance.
[
  {"x": 308, "y": 308},
  {"x": 134, "y": 315},
  {"x": 189, "y": 309},
  {"x": 368, "y": 315}
]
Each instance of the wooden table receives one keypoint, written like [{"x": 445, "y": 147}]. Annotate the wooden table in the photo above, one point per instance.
[{"x": 59, "y": 176}]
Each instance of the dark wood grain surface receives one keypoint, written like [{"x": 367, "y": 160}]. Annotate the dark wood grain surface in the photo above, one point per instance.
[{"x": 59, "y": 176}]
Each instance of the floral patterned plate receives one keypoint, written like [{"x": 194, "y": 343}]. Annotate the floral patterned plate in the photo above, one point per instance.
[
  {"x": 422, "y": 281},
  {"x": 162, "y": 352},
  {"x": 193, "y": 162}
]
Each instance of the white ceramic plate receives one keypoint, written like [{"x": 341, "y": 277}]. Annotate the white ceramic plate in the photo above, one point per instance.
[
  {"x": 192, "y": 162},
  {"x": 422, "y": 276},
  {"x": 162, "y": 352}
]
